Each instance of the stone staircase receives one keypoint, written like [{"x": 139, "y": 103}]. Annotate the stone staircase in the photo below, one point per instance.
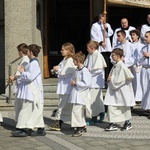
[{"x": 50, "y": 96}]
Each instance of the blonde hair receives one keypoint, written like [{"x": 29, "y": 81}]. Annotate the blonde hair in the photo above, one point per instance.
[
  {"x": 93, "y": 44},
  {"x": 70, "y": 48},
  {"x": 79, "y": 56}
]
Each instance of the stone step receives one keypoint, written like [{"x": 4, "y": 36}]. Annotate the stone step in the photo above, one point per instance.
[{"x": 50, "y": 97}]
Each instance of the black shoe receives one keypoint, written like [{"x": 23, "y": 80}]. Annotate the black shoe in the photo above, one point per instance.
[
  {"x": 19, "y": 133},
  {"x": 79, "y": 131},
  {"x": 127, "y": 126},
  {"x": 39, "y": 132},
  {"x": 55, "y": 126},
  {"x": 112, "y": 127}
]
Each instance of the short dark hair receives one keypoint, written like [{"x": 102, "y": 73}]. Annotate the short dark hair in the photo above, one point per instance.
[
  {"x": 137, "y": 32},
  {"x": 35, "y": 49},
  {"x": 122, "y": 32},
  {"x": 118, "y": 51},
  {"x": 23, "y": 47}
]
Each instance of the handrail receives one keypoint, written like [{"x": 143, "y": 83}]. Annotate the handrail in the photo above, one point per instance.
[{"x": 10, "y": 73}]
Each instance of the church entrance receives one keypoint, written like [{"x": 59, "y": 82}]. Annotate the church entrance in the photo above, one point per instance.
[
  {"x": 66, "y": 21},
  {"x": 70, "y": 21}
]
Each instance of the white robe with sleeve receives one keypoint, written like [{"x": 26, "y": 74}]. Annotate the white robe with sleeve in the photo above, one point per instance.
[
  {"x": 65, "y": 72},
  {"x": 136, "y": 70},
  {"x": 97, "y": 31},
  {"x": 80, "y": 93},
  {"x": 128, "y": 53},
  {"x": 120, "y": 90},
  {"x": 128, "y": 37},
  {"x": 31, "y": 91},
  {"x": 96, "y": 64},
  {"x": 18, "y": 102},
  {"x": 24, "y": 61},
  {"x": 145, "y": 77}
]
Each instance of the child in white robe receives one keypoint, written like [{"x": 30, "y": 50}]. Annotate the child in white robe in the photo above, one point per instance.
[
  {"x": 22, "y": 51},
  {"x": 145, "y": 73},
  {"x": 30, "y": 119},
  {"x": 65, "y": 70},
  {"x": 136, "y": 69},
  {"x": 119, "y": 96},
  {"x": 127, "y": 48},
  {"x": 79, "y": 97},
  {"x": 96, "y": 64}
]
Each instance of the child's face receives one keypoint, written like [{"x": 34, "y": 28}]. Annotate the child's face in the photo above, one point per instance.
[
  {"x": 147, "y": 37},
  {"x": 115, "y": 57},
  {"x": 64, "y": 52},
  {"x": 90, "y": 49},
  {"x": 134, "y": 37},
  {"x": 29, "y": 53},
  {"x": 75, "y": 62}
]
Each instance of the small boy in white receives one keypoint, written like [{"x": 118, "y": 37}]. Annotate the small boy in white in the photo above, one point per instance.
[
  {"x": 145, "y": 73},
  {"x": 65, "y": 70},
  {"x": 79, "y": 97},
  {"x": 96, "y": 64},
  {"x": 119, "y": 96},
  {"x": 22, "y": 51}
]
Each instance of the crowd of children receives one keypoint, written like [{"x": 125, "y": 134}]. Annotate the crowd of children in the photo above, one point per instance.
[{"x": 80, "y": 82}]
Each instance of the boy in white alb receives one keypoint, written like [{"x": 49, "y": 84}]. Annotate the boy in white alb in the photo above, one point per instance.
[
  {"x": 119, "y": 96},
  {"x": 96, "y": 64},
  {"x": 136, "y": 69},
  {"x": 65, "y": 70},
  {"x": 31, "y": 92},
  {"x": 79, "y": 97},
  {"x": 22, "y": 50},
  {"x": 127, "y": 48},
  {"x": 145, "y": 73}
]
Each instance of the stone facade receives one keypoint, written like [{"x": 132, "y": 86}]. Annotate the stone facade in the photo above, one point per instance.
[{"x": 20, "y": 27}]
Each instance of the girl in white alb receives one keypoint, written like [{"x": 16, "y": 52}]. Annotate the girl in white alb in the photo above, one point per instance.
[{"x": 65, "y": 70}]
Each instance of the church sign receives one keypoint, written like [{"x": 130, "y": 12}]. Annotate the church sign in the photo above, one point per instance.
[{"x": 138, "y": 3}]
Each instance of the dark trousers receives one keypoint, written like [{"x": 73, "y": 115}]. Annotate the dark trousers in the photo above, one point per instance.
[{"x": 106, "y": 56}]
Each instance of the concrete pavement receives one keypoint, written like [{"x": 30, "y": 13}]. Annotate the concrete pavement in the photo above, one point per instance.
[{"x": 95, "y": 139}]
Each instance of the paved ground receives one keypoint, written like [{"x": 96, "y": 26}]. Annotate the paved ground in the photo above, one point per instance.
[{"x": 95, "y": 139}]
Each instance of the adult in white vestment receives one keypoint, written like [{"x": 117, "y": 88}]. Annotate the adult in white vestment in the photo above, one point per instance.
[
  {"x": 119, "y": 95},
  {"x": 144, "y": 29},
  {"x": 101, "y": 32},
  {"x": 31, "y": 92},
  {"x": 124, "y": 26},
  {"x": 96, "y": 64}
]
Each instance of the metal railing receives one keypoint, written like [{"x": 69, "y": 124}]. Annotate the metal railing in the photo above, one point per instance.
[{"x": 9, "y": 74}]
